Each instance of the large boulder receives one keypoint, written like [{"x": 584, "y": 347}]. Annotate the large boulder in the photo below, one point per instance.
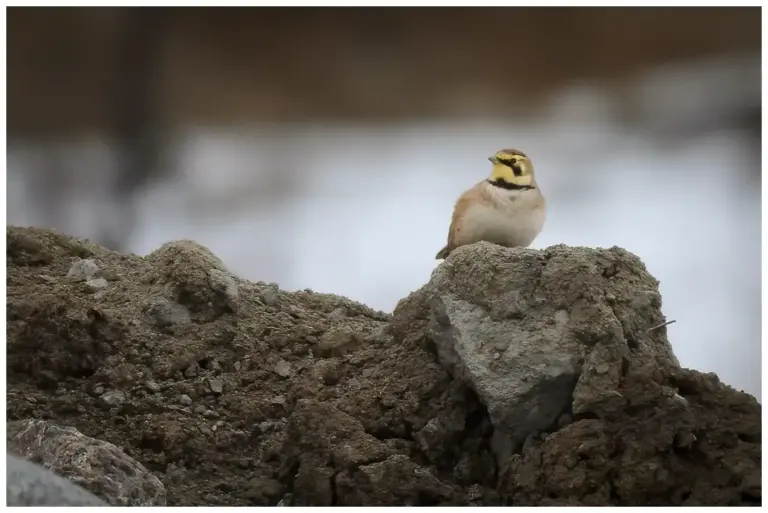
[
  {"x": 567, "y": 349},
  {"x": 99, "y": 467},
  {"x": 30, "y": 484},
  {"x": 541, "y": 334}
]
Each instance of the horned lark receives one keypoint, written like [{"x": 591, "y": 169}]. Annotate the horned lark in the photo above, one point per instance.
[{"x": 507, "y": 209}]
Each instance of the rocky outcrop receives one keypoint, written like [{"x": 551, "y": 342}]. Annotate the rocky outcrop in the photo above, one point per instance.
[
  {"x": 93, "y": 464},
  {"x": 566, "y": 348},
  {"x": 513, "y": 377},
  {"x": 539, "y": 335}
]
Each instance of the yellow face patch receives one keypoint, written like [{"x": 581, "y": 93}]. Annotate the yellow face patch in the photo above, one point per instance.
[{"x": 511, "y": 167}]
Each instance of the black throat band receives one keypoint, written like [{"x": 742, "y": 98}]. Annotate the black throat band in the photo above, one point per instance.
[{"x": 510, "y": 186}]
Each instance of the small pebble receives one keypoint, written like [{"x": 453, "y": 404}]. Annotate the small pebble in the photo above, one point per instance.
[
  {"x": 100, "y": 295},
  {"x": 283, "y": 369},
  {"x": 164, "y": 313},
  {"x": 83, "y": 269},
  {"x": 98, "y": 390},
  {"x": 185, "y": 400},
  {"x": 278, "y": 400},
  {"x": 110, "y": 275},
  {"x": 153, "y": 387},
  {"x": 97, "y": 283},
  {"x": 224, "y": 285},
  {"x": 270, "y": 295},
  {"x": 238, "y": 365},
  {"x": 217, "y": 385},
  {"x": 111, "y": 399},
  {"x": 338, "y": 315},
  {"x": 336, "y": 342}
]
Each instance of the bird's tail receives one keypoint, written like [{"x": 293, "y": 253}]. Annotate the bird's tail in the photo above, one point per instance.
[{"x": 442, "y": 254}]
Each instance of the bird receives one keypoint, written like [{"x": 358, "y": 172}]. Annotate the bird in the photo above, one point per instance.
[{"x": 507, "y": 208}]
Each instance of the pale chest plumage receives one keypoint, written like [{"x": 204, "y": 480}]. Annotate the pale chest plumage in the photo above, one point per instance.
[{"x": 509, "y": 218}]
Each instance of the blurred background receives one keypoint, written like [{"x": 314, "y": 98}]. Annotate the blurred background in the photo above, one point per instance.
[{"x": 323, "y": 148}]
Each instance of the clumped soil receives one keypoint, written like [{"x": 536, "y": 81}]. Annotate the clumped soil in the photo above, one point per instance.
[
  {"x": 232, "y": 393},
  {"x": 239, "y": 393}
]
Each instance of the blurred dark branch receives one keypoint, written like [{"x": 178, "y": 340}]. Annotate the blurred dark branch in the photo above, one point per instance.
[{"x": 135, "y": 123}]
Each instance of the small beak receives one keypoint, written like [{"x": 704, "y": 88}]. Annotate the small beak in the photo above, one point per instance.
[{"x": 493, "y": 159}]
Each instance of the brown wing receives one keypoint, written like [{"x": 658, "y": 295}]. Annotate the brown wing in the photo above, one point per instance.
[{"x": 462, "y": 204}]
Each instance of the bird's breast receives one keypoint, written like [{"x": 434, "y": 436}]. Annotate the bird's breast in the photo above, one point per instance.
[{"x": 512, "y": 222}]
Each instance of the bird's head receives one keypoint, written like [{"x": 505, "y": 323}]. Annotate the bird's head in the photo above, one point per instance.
[{"x": 512, "y": 169}]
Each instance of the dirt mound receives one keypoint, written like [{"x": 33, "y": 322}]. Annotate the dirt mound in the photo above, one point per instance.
[{"x": 237, "y": 393}]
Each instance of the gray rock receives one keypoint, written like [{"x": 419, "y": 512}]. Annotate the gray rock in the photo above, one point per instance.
[
  {"x": 217, "y": 385},
  {"x": 29, "y": 484},
  {"x": 185, "y": 400},
  {"x": 97, "y": 283},
  {"x": 195, "y": 277},
  {"x": 283, "y": 369},
  {"x": 271, "y": 295},
  {"x": 84, "y": 269},
  {"x": 97, "y": 466},
  {"x": 164, "y": 313},
  {"x": 336, "y": 342},
  {"x": 529, "y": 331},
  {"x": 223, "y": 283},
  {"x": 111, "y": 399}
]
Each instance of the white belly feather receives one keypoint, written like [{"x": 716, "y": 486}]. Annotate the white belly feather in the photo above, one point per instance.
[{"x": 510, "y": 218}]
